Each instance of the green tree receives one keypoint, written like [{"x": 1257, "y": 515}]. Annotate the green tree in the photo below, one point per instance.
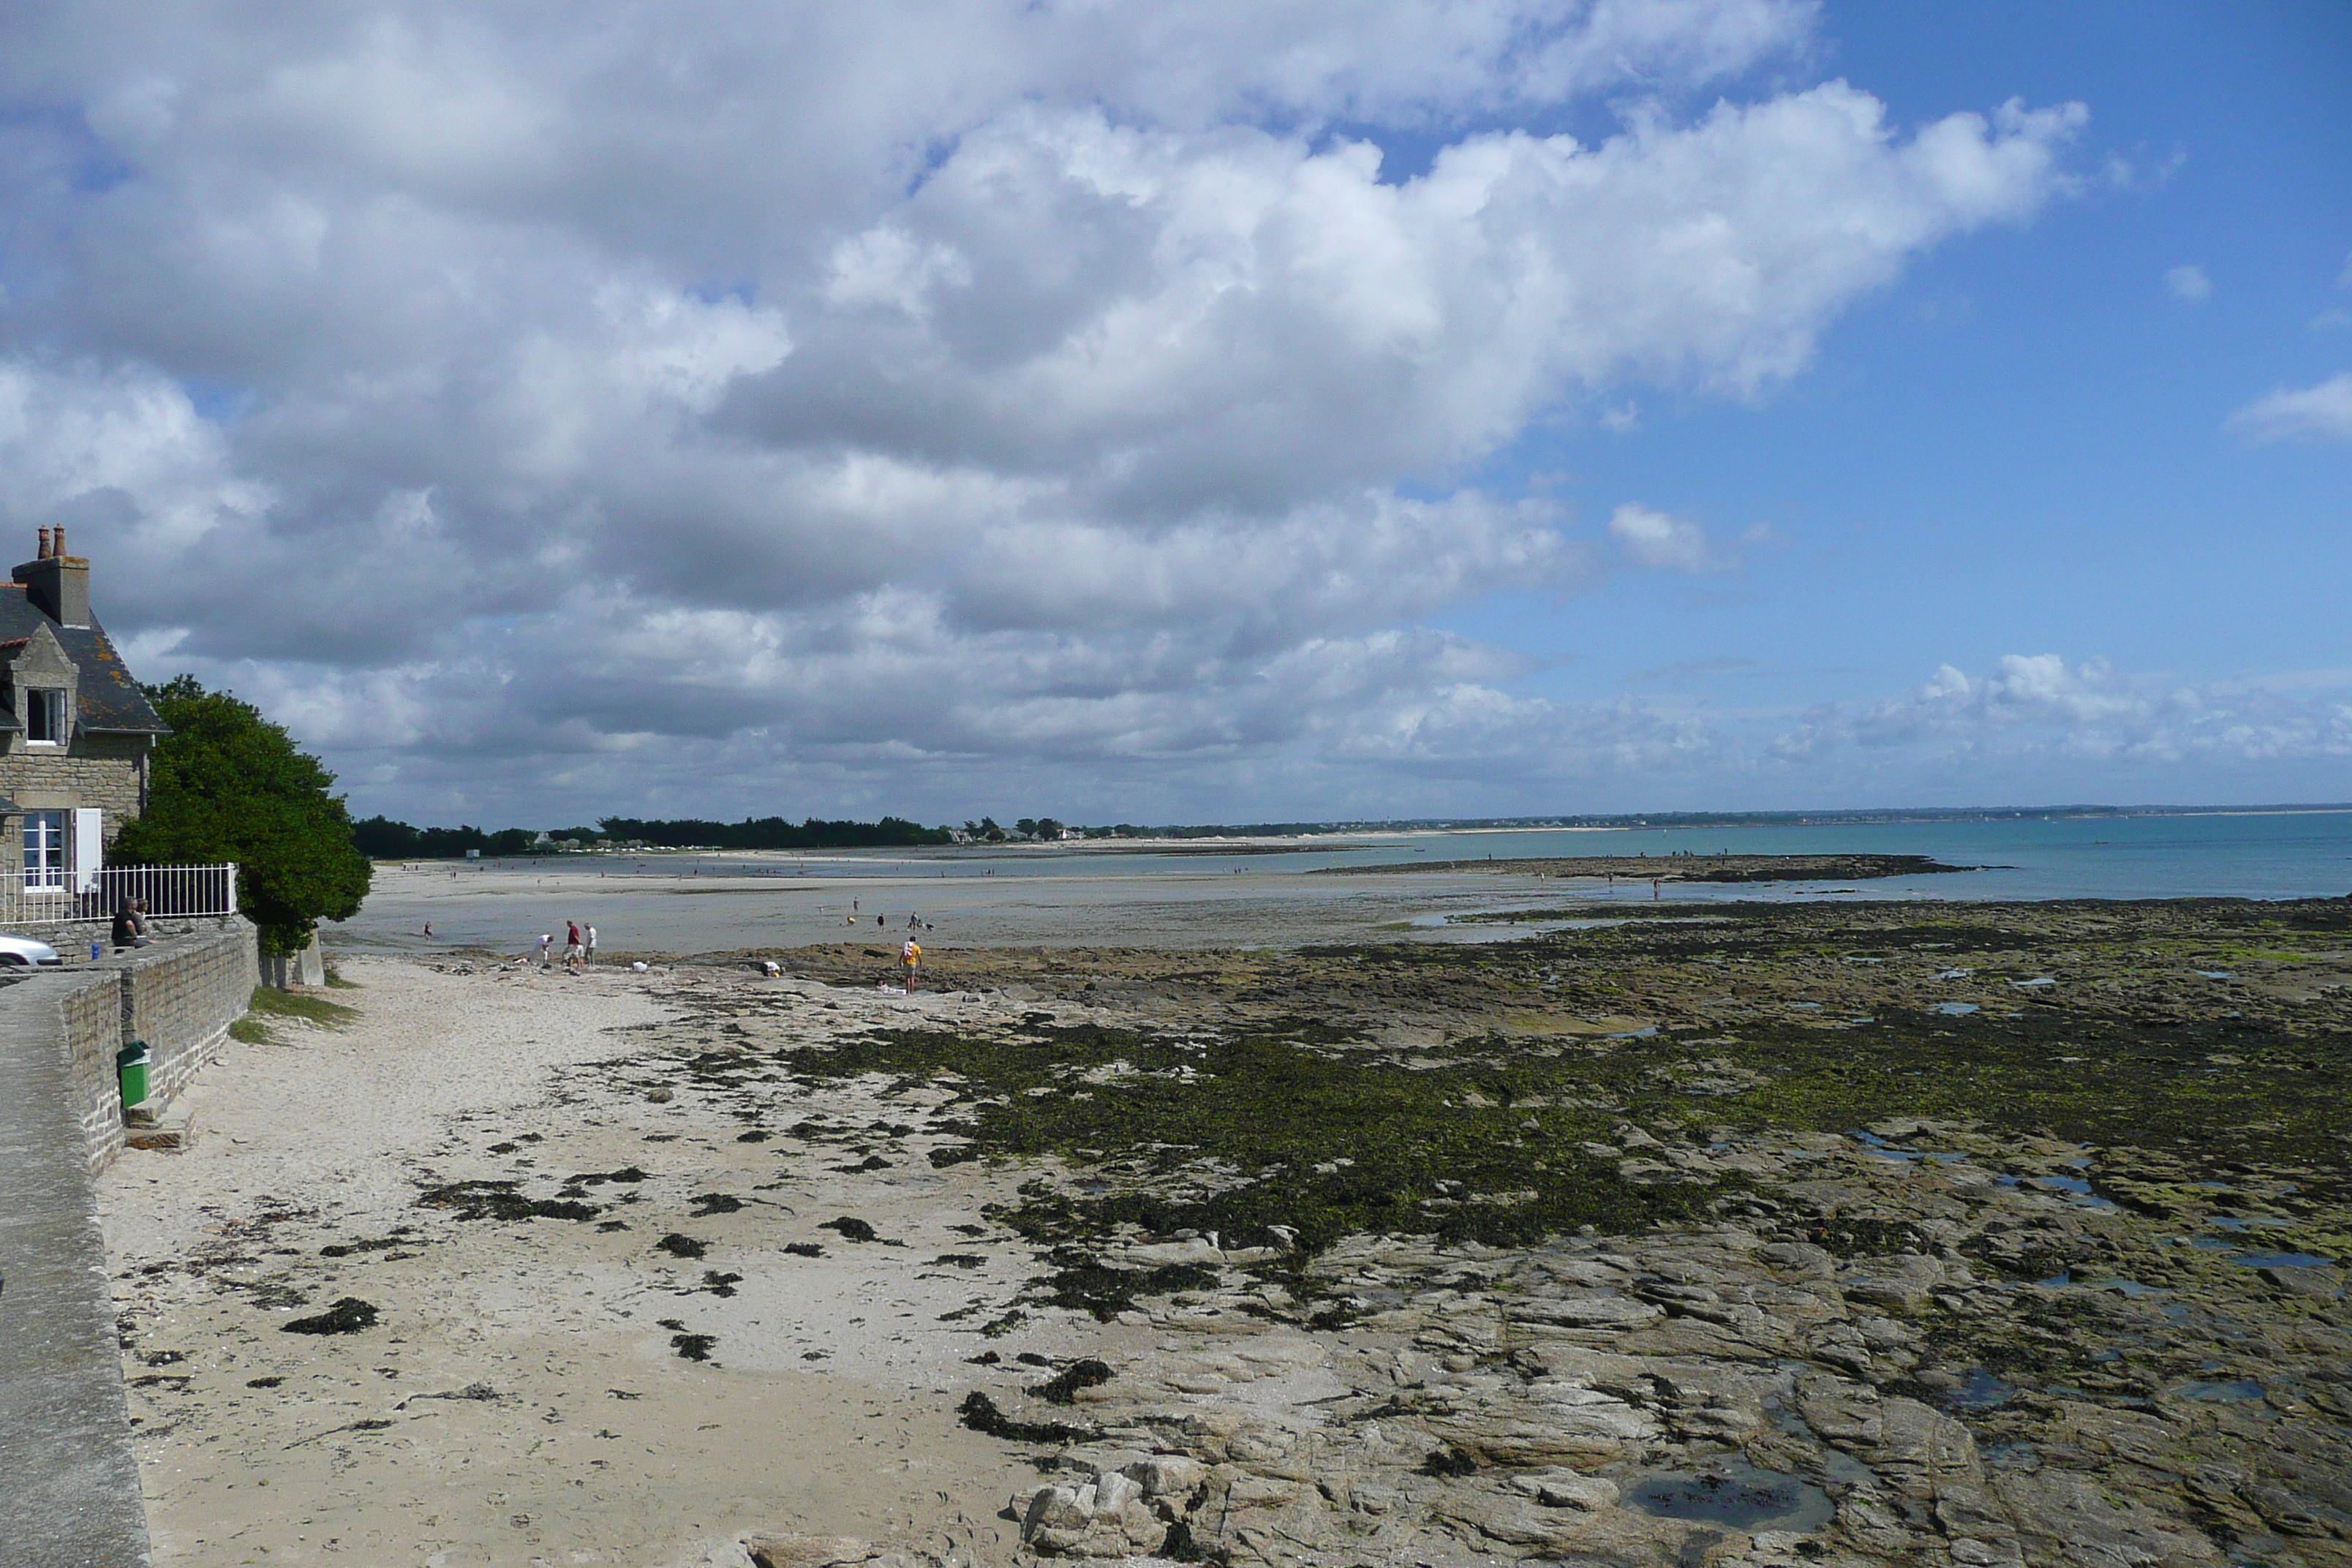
[{"x": 228, "y": 784}]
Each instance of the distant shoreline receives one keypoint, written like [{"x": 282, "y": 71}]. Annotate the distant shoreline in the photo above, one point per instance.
[
  {"x": 1681, "y": 867},
  {"x": 1274, "y": 839}
]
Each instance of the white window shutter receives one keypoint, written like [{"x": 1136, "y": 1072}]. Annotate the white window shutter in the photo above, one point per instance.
[{"x": 89, "y": 847}]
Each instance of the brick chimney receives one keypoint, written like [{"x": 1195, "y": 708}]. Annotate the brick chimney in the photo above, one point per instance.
[{"x": 56, "y": 583}]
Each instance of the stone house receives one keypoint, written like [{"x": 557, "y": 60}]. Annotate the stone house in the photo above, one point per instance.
[{"x": 76, "y": 732}]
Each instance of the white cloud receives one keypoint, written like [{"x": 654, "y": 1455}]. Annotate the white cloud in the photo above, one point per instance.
[
  {"x": 1665, "y": 542},
  {"x": 2190, "y": 284},
  {"x": 2040, "y": 705},
  {"x": 824, "y": 393},
  {"x": 2320, "y": 412}
]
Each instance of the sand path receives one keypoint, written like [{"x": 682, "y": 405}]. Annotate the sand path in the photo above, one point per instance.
[{"x": 827, "y": 1407}]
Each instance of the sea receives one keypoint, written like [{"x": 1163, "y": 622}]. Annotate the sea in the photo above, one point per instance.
[{"x": 1266, "y": 892}]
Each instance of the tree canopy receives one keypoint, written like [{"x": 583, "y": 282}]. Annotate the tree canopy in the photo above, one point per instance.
[
  {"x": 775, "y": 833},
  {"x": 382, "y": 839},
  {"x": 228, "y": 784}
]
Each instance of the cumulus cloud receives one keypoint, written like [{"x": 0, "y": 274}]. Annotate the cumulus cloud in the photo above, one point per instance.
[
  {"x": 2039, "y": 704},
  {"x": 1662, "y": 542},
  {"x": 2189, "y": 284},
  {"x": 714, "y": 405},
  {"x": 2320, "y": 412}
]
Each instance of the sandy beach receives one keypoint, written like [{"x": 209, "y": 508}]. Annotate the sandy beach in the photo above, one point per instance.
[{"x": 589, "y": 1438}]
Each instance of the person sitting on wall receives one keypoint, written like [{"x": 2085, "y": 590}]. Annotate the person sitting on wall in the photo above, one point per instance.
[{"x": 129, "y": 931}]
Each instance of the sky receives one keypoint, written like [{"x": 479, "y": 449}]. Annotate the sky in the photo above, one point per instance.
[{"x": 1197, "y": 412}]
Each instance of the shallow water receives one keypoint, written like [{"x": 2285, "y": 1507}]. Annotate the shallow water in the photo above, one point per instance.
[
  {"x": 1982, "y": 1391},
  {"x": 1735, "y": 1493},
  {"x": 1212, "y": 893}
]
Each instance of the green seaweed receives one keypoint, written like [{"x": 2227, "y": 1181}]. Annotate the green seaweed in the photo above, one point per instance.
[{"x": 1276, "y": 1139}]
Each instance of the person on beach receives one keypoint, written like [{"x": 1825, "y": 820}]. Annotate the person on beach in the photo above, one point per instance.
[
  {"x": 910, "y": 956},
  {"x": 428, "y": 930},
  {"x": 592, "y": 945},
  {"x": 545, "y": 940},
  {"x": 572, "y": 945}
]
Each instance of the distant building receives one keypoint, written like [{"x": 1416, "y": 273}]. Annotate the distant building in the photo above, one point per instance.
[{"x": 76, "y": 732}]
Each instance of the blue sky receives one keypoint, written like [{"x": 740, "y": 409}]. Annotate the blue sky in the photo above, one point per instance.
[
  {"x": 2021, "y": 446},
  {"x": 1720, "y": 403}
]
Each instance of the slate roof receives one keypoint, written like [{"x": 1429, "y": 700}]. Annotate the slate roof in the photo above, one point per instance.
[{"x": 106, "y": 697}]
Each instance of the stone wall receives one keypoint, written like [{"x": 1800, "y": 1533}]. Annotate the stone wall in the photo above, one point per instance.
[
  {"x": 105, "y": 771},
  {"x": 68, "y": 1480},
  {"x": 88, "y": 1004},
  {"x": 179, "y": 996},
  {"x": 72, "y": 938},
  {"x": 305, "y": 967},
  {"x": 69, "y": 1493}
]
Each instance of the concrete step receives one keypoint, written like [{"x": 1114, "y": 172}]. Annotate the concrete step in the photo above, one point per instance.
[{"x": 172, "y": 1127}]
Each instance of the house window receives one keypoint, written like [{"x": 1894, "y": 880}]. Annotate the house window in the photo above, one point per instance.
[
  {"x": 45, "y": 717},
  {"x": 44, "y": 849}
]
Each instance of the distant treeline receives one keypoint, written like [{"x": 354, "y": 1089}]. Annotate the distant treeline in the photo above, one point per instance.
[
  {"x": 775, "y": 833},
  {"x": 1234, "y": 830},
  {"x": 382, "y": 839}
]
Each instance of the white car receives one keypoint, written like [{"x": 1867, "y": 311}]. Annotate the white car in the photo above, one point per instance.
[{"x": 20, "y": 951}]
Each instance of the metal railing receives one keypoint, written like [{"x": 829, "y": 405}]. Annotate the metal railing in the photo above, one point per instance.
[{"x": 37, "y": 897}]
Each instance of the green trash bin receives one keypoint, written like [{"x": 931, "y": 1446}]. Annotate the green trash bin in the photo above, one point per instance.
[{"x": 133, "y": 1062}]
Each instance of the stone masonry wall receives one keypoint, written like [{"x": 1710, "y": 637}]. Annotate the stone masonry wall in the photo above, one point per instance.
[
  {"x": 69, "y": 1493},
  {"x": 89, "y": 1018},
  {"x": 181, "y": 996},
  {"x": 111, "y": 783},
  {"x": 72, "y": 938}
]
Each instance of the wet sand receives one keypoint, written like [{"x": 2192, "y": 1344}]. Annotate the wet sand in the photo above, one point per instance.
[{"x": 713, "y": 902}]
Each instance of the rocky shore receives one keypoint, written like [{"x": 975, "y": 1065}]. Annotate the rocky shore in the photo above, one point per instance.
[
  {"x": 1772, "y": 1234},
  {"x": 1680, "y": 867}
]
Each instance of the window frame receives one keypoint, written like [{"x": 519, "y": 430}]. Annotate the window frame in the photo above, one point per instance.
[
  {"x": 51, "y": 703},
  {"x": 44, "y": 856}
]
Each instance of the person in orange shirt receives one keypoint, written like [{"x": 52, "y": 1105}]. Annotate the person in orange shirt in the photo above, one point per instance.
[{"x": 911, "y": 957}]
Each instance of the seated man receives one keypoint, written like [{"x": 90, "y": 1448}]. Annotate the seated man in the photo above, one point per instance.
[{"x": 130, "y": 930}]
